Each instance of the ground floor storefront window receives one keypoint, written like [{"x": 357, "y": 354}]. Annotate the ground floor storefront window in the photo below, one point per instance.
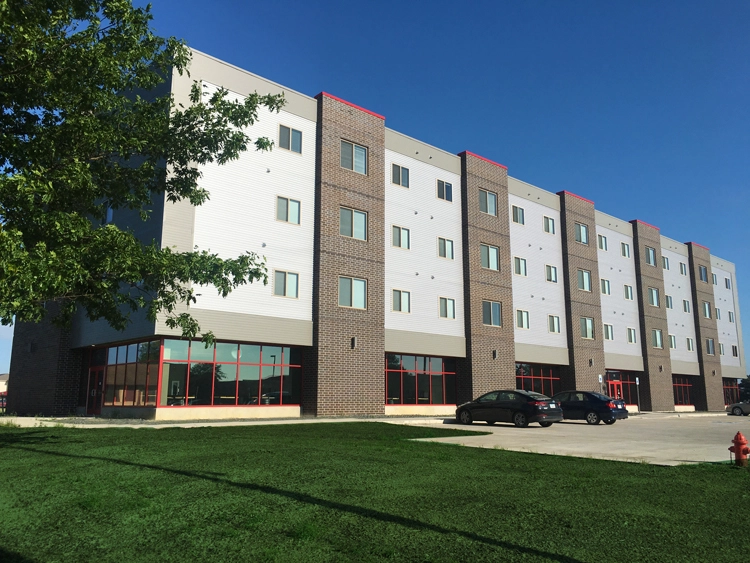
[
  {"x": 538, "y": 377},
  {"x": 682, "y": 387},
  {"x": 731, "y": 390},
  {"x": 175, "y": 373},
  {"x": 419, "y": 380},
  {"x": 622, "y": 385}
]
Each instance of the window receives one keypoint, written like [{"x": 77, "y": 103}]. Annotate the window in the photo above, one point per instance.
[
  {"x": 444, "y": 190},
  {"x": 690, "y": 345},
  {"x": 609, "y": 332},
  {"x": 721, "y": 349},
  {"x": 713, "y": 276},
  {"x": 587, "y": 328},
  {"x": 492, "y": 313},
  {"x": 703, "y": 273},
  {"x": 706, "y": 310},
  {"x": 522, "y": 319},
  {"x": 519, "y": 266},
  {"x": 553, "y": 323},
  {"x": 668, "y": 301},
  {"x": 625, "y": 249},
  {"x": 653, "y": 296},
  {"x": 605, "y": 287},
  {"x": 290, "y": 139},
  {"x": 285, "y": 284},
  {"x": 352, "y": 293},
  {"x": 683, "y": 268},
  {"x": 445, "y": 248},
  {"x": 735, "y": 351},
  {"x": 650, "y": 256},
  {"x": 584, "y": 280},
  {"x": 518, "y": 215},
  {"x": 400, "y": 175},
  {"x": 718, "y": 314},
  {"x": 551, "y": 272},
  {"x": 631, "y": 336},
  {"x": 401, "y": 301},
  {"x": 656, "y": 340},
  {"x": 727, "y": 283},
  {"x": 487, "y": 202},
  {"x": 353, "y": 157},
  {"x": 490, "y": 256},
  {"x": 628, "y": 292},
  {"x": 582, "y": 233},
  {"x": 602, "y": 242},
  {"x": 447, "y": 308},
  {"x": 672, "y": 341},
  {"x": 731, "y": 317},
  {"x": 400, "y": 237},
  {"x": 287, "y": 210},
  {"x": 423, "y": 380},
  {"x": 686, "y": 305},
  {"x": 665, "y": 262},
  {"x": 353, "y": 223},
  {"x": 549, "y": 225},
  {"x": 710, "y": 350}
]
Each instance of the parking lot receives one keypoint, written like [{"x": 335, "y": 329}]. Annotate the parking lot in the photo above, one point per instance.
[{"x": 658, "y": 438}]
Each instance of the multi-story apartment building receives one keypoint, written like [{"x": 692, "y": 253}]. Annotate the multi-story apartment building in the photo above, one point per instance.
[{"x": 403, "y": 280}]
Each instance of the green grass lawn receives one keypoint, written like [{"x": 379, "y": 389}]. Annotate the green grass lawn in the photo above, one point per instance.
[{"x": 348, "y": 492}]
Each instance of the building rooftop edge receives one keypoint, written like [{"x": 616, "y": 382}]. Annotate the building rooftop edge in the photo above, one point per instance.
[{"x": 355, "y": 106}]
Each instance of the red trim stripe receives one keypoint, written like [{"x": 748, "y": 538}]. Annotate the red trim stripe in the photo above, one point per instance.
[
  {"x": 327, "y": 95},
  {"x": 644, "y": 223},
  {"x": 575, "y": 195},
  {"x": 482, "y": 158},
  {"x": 696, "y": 244}
]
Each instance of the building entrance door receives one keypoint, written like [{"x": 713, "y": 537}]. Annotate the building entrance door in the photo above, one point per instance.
[
  {"x": 614, "y": 389},
  {"x": 96, "y": 388}
]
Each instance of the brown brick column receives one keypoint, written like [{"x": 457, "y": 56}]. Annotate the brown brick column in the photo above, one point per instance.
[
  {"x": 707, "y": 391},
  {"x": 346, "y": 380},
  {"x": 586, "y": 356},
  {"x": 45, "y": 374},
  {"x": 656, "y": 384},
  {"x": 490, "y": 351}
]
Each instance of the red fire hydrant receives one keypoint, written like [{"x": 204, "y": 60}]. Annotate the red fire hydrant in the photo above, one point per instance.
[{"x": 740, "y": 449}]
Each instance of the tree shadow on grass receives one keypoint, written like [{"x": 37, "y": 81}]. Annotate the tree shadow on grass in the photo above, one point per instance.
[
  {"x": 332, "y": 505},
  {"x": 11, "y": 439},
  {"x": 13, "y": 557}
]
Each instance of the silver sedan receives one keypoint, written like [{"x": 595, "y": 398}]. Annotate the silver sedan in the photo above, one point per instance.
[{"x": 739, "y": 409}]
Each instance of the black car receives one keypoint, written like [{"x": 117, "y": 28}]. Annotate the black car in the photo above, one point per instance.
[
  {"x": 516, "y": 406},
  {"x": 591, "y": 407}
]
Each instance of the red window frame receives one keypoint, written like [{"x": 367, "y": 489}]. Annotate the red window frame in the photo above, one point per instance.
[
  {"x": 401, "y": 371},
  {"x": 731, "y": 390},
  {"x": 681, "y": 386},
  {"x": 541, "y": 376}
]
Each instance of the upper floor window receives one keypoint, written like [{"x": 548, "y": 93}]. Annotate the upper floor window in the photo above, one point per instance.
[
  {"x": 605, "y": 287},
  {"x": 686, "y": 305},
  {"x": 672, "y": 341},
  {"x": 731, "y": 317},
  {"x": 625, "y": 249},
  {"x": 703, "y": 273},
  {"x": 721, "y": 349},
  {"x": 582, "y": 233},
  {"x": 707, "y": 309},
  {"x": 522, "y": 319},
  {"x": 518, "y": 215},
  {"x": 718, "y": 314},
  {"x": 735, "y": 351},
  {"x": 690, "y": 345},
  {"x": 400, "y": 175},
  {"x": 549, "y": 225},
  {"x": 444, "y": 190},
  {"x": 653, "y": 296},
  {"x": 609, "y": 332},
  {"x": 587, "y": 328},
  {"x": 683, "y": 268},
  {"x": 290, "y": 139},
  {"x": 401, "y": 301},
  {"x": 447, "y": 308},
  {"x": 668, "y": 301},
  {"x": 445, "y": 248},
  {"x": 492, "y": 313},
  {"x": 602, "y": 242},
  {"x": 487, "y": 202},
  {"x": 710, "y": 349},
  {"x": 584, "y": 280},
  {"x": 352, "y": 293},
  {"x": 631, "y": 336},
  {"x": 727, "y": 283},
  {"x": 551, "y": 273},
  {"x": 628, "y": 292},
  {"x": 287, "y": 210},
  {"x": 400, "y": 237},
  {"x": 650, "y": 256},
  {"x": 353, "y": 223},
  {"x": 656, "y": 338},
  {"x": 353, "y": 157},
  {"x": 285, "y": 284},
  {"x": 713, "y": 276},
  {"x": 490, "y": 256},
  {"x": 553, "y": 322},
  {"x": 665, "y": 262},
  {"x": 519, "y": 266}
]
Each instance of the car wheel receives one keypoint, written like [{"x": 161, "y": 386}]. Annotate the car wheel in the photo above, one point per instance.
[
  {"x": 490, "y": 422},
  {"x": 464, "y": 417},
  {"x": 737, "y": 411},
  {"x": 545, "y": 424},
  {"x": 592, "y": 418},
  {"x": 610, "y": 421},
  {"x": 520, "y": 420}
]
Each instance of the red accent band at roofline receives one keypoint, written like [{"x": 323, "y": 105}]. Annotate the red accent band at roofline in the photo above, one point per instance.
[
  {"x": 327, "y": 95},
  {"x": 482, "y": 158},
  {"x": 644, "y": 223},
  {"x": 575, "y": 195},
  {"x": 696, "y": 244}
]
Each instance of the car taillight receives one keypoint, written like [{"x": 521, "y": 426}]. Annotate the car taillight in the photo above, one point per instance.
[
  {"x": 538, "y": 403},
  {"x": 611, "y": 405}
]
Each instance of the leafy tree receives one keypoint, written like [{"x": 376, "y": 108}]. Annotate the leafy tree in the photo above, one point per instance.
[
  {"x": 744, "y": 386},
  {"x": 82, "y": 133}
]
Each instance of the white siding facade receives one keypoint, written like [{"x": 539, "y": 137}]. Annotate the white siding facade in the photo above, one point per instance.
[
  {"x": 680, "y": 323},
  {"x": 724, "y": 301}
]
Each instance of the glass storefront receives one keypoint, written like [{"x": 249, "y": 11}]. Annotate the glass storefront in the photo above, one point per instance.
[
  {"x": 539, "y": 378},
  {"x": 419, "y": 380}
]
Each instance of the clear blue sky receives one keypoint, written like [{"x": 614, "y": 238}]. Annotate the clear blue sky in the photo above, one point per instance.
[{"x": 641, "y": 106}]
